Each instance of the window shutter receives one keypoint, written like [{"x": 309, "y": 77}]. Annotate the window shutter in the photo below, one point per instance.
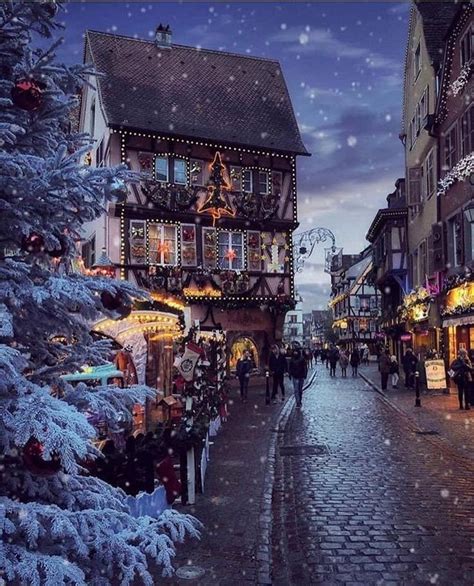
[
  {"x": 414, "y": 186},
  {"x": 437, "y": 243}
]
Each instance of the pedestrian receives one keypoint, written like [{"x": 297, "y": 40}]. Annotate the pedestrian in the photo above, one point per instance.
[
  {"x": 308, "y": 356},
  {"x": 355, "y": 361},
  {"x": 409, "y": 363},
  {"x": 394, "y": 371},
  {"x": 471, "y": 383},
  {"x": 244, "y": 366},
  {"x": 384, "y": 364},
  {"x": 324, "y": 356},
  {"x": 462, "y": 370},
  {"x": 333, "y": 357},
  {"x": 316, "y": 354},
  {"x": 298, "y": 372},
  {"x": 366, "y": 355},
  {"x": 343, "y": 362},
  {"x": 278, "y": 365}
]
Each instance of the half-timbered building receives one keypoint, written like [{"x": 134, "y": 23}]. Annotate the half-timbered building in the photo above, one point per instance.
[
  {"x": 355, "y": 303},
  {"x": 388, "y": 236},
  {"x": 209, "y": 225}
]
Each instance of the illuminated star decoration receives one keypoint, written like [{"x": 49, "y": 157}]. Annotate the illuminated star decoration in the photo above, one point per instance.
[
  {"x": 230, "y": 255},
  {"x": 217, "y": 202}
]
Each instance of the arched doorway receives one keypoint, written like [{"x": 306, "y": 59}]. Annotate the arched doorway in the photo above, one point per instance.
[{"x": 238, "y": 348}]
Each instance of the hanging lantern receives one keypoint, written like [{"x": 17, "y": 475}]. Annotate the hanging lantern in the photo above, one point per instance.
[
  {"x": 33, "y": 243},
  {"x": 27, "y": 94},
  {"x": 34, "y": 461}
]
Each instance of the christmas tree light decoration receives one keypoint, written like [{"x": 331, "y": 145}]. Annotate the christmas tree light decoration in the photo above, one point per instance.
[{"x": 217, "y": 202}]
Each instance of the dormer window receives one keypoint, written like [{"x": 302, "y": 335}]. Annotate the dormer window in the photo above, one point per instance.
[
  {"x": 467, "y": 46},
  {"x": 417, "y": 62}
]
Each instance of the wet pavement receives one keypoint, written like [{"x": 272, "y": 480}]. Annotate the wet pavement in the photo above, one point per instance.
[{"x": 361, "y": 497}]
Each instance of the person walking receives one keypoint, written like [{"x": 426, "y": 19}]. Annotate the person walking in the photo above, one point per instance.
[
  {"x": 343, "y": 363},
  {"x": 384, "y": 364},
  {"x": 409, "y": 362},
  {"x": 463, "y": 369},
  {"x": 278, "y": 365},
  {"x": 355, "y": 361},
  {"x": 244, "y": 366},
  {"x": 333, "y": 357},
  {"x": 324, "y": 356},
  {"x": 394, "y": 371},
  {"x": 470, "y": 393},
  {"x": 298, "y": 372}
]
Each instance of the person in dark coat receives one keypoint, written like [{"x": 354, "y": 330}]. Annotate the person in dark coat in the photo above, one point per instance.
[
  {"x": 355, "y": 361},
  {"x": 471, "y": 383},
  {"x": 333, "y": 356},
  {"x": 244, "y": 366},
  {"x": 278, "y": 365},
  {"x": 409, "y": 363},
  {"x": 384, "y": 365},
  {"x": 324, "y": 356},
  {"x": 463, "y": 370},
  {"x": 298, "y": 372}
]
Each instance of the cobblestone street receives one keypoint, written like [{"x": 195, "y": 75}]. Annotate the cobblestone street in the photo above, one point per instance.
[{"x": 361, "y": 497}]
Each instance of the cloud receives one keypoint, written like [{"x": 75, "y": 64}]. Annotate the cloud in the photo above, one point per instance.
[
  {"x": 323, "y": 42},
  {"x": 400, "y": 8},
  {"x": 315, "y": 296}
]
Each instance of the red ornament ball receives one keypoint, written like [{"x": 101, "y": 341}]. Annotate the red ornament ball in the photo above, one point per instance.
[
  {"x": 34, "y": 243},
  {"x": 34, "y": 461},
  {"x": 27, "y": 94}
]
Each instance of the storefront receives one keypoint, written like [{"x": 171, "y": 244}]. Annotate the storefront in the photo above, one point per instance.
[
  {"x": 458, "y": 319},
  {"x": 420, "y": 315}
]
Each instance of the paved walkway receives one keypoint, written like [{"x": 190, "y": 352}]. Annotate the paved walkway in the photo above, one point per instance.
[
  {"x": 230, "y": 506},
  {"x": 439, "y": 413},
  {"x": 361, "y": 498}
]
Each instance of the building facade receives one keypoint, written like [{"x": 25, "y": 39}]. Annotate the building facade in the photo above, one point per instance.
[
  {"x": 388, "y": 237},
  {"x": 355, "y": 303},
  {"x": 293, "y": 327},
  {"x": 208, "y": 227},
  {"x": 455, "y": 231}
]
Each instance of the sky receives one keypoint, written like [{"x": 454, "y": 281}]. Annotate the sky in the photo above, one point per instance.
[{"x": 343, "y": 64}]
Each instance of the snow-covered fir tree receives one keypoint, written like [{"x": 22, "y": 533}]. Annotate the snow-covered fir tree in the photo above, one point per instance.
[{"x": 63, "y": 526}]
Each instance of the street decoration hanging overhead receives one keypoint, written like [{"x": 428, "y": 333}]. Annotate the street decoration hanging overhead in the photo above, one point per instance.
[
  {"x": 217, "y": 200},
  {"x": 416, "y": 305}
]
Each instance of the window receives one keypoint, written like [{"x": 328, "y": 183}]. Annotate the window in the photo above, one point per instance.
[
  {"x": 92, "y": 119},
  {"x": 418, "y": 119},
  {"x": 422, "y": 256},
  {"x": 467, "y": 132},
  {"x": 454, "y": 244},
  {"x": 88, "y": 252},
  {"x": 162, "y": 244},
  {"x": 429, "y": 176},
  {"x": 424, "y": 106},
  {"x": 356, "y": 302},
  {"x": 413, "y": 132},
  {"x": 450, "y": 155},
  {"x": 209, "y": 241},
  {"x": 293, "y": 319},
  {"x": 188, "y": 245},
  {"x": 236, "y": 178},
  {"x": 417, "y": 62},
  {"x": 231, "y": 250},
  {"x": 179, "y": 172},
  {"x": 247, "y": 181},
  {"x": 196, "y": 172},
  {"x": 161, "y": 169},
  {"x": 263, "y": 182},
  {"x": 414, "y": 188},
  {"x": 99, "y": 154},
  {"x": 467, "y": 48}
]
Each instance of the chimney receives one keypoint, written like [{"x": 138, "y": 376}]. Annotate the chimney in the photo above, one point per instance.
[{"x": 163, "y": 37}]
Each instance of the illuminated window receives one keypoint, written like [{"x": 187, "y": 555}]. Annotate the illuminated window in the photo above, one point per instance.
[
  {"x": 231, "y": 250},
  {"x": 179, "y": 172},
  {"x": 161, "y": 169},
  {"x": 247, "y": 181},
  {"x": 162, "y": 244}
]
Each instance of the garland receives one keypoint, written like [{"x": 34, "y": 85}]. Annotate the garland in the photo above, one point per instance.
[
  {"x": 458, "y": 310},
  {"x": 458, "y": 84},
  {"x": 456, "y": 280},
  {"x": 461, "y": 171}
]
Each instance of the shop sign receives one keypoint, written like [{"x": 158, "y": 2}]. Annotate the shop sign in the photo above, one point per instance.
[
  {"x": 435, "y": 374},
  {"x": 405, "y": 337}
]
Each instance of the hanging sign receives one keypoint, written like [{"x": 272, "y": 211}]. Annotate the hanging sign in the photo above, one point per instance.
[
  {"x": 435, "y": 374},
  {"x": 405, "y": 337}
]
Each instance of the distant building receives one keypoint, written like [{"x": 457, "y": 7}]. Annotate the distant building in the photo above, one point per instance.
[
  {"x": 320, "y": 323},
  {"x": 355, "y": 302},
  {"x": 293, "y": 328}
]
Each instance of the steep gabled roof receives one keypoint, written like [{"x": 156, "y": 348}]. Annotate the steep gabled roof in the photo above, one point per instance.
[
  {"x": 437, "y": 18},
  {"x": 184, "y": 91}
]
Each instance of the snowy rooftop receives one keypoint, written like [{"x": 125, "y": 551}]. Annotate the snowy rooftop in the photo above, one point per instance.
[{"x": 186, "y": 91}]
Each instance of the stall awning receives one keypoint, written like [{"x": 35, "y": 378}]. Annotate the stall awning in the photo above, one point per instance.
[{"x": 464, "y": 320}]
